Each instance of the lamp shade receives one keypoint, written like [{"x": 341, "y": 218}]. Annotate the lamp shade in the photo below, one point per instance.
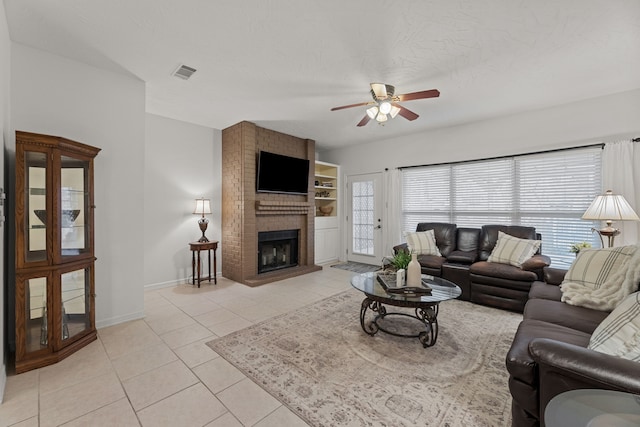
[
  {"x": 610, "y": 207},
  {"x": 203, "y": 206}
]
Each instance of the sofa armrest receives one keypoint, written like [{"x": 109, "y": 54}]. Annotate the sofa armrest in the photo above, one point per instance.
[
  {"x": 554, "y": 276},
  {"x": 401, "y": 247},
  {"x": 563, "y": 367}
]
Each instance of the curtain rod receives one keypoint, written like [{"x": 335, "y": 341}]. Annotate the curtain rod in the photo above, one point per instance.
[{"x": 601, "y": 145}]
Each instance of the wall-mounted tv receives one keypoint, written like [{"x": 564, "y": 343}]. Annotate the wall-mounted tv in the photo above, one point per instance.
[{"x": 282, "y": 174}]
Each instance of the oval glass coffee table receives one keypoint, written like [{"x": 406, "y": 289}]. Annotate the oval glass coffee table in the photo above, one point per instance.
[{"x": 425, "y": 305}]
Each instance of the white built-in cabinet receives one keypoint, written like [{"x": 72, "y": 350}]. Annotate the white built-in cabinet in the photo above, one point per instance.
[{"x": 327, "y": 225}]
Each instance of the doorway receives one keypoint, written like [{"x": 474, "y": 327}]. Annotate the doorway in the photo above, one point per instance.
[{"x": 364, "y": 218}]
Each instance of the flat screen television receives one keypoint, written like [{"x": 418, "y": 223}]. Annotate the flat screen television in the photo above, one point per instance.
[{"x": 282, "y": 174}]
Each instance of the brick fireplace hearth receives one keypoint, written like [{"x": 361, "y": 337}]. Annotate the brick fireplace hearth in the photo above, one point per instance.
[{"x": 245, "y": 213}]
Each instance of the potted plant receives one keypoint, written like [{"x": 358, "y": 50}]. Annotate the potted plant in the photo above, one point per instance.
[
  {"x": 577, "y": 247},
  {"x": 400, "y": 260}
]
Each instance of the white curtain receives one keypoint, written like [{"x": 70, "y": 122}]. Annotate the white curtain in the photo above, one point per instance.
[
  {"x": 393, "y": 210},
  {"x": 618, "y": 175}
]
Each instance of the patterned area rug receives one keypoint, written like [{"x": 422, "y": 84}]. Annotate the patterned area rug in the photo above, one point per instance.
[
  {"x": 356, "y": 267},
  {"x": 321, "y": 365}
]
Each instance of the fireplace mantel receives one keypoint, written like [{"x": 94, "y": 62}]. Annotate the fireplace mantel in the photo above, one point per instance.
[{"x": 267, "y": 207}]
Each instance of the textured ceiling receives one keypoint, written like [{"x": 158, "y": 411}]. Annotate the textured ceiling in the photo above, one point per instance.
[{"x": 284, "y": 64}]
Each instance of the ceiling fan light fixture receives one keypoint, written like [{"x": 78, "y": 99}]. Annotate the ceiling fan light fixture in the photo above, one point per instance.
[
  {"x": 372, "y": 112},
  {"x": 385, "y": 107},
  {"x": 394, "y": 111},
  {"x": 381, "y": 118}
]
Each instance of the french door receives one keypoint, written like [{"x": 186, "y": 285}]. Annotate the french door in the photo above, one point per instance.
[{"x": 364, "y": 218}]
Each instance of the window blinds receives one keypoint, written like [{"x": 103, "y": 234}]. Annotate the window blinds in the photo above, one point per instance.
[{"x": 548, "y": 191}]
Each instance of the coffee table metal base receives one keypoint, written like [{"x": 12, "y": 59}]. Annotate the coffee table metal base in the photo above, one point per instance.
[{"x": 425, "y": 312}]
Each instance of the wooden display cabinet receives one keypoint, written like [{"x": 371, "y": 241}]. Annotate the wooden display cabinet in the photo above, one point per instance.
[{"x": 54, "y": 295}]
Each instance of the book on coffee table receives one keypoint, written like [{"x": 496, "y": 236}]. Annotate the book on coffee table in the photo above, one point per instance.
[{"x": 388, "y": 282}]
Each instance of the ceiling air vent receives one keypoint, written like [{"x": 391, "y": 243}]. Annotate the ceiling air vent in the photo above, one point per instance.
[{"x": 184, "y": 72}]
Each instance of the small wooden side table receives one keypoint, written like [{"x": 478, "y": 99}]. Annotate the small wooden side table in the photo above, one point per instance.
[{"x": 196, "y": 247}]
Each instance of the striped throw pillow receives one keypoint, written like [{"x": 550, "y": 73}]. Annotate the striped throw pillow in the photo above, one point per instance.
[
  {"x": 513, "y": 251},
  {"x": 619, "y": 333},
  {"x": 423, "y": 243},
  {"x": 593, "y": 267}
]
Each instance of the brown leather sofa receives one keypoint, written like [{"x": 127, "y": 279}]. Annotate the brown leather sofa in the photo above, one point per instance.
[
  {"x": 549, "y": 354},
  {"x": 464, "y": 261}
]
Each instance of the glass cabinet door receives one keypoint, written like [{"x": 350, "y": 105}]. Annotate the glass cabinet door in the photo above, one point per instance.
[
  {"x": 74, "y": 205},
  {"x": 75, "y": 287},
  {"x": 37, "y": 317},
  {"x": 36, "y": 206}
]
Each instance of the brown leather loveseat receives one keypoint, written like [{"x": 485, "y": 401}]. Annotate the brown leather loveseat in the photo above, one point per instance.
[
  {"x": 549, "y": 354},
  {"x": 464, "y": 253}
]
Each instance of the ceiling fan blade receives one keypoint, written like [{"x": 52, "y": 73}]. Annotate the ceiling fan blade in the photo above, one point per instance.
[
  {"x": 407, "y": 114},
  {"x": 433, "y": 93},
  {"x": 351, "y": 106},
  {"x": 364, "y": 120}
]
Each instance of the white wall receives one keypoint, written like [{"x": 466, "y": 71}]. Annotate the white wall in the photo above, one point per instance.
[
  {"x": 4, "y": 134},
  {"x": 595, "y": 120},
  {"x": 182, "y": 163},
  {"x": 57, "y": 96}
]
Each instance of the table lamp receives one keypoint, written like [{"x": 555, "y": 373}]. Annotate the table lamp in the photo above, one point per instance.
[
  {"x": 610, "y": 207},
  {"x": 203, "y": 206}
]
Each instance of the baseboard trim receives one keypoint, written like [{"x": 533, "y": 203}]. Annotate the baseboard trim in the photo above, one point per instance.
[{"x": 120, "y": 319}]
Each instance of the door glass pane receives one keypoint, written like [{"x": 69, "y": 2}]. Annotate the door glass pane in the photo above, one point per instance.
[
  {"x": 74, "y": 205},
  {"x": 36, "y": 313},
  {"x": 75, "y": 303},
  {"x": 363, "y": 214},
  {"x": 36, "y": 200}
]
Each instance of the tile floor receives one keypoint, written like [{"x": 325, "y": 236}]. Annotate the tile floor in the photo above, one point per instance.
[{"x": 157, "y": 371}]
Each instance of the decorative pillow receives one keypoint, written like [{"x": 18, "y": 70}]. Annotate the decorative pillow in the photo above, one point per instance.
[
  {"x": 513, "y": 251},
  {"x": 593, "y": 267},
  {"x": 619, "y": 333},
  {"x": 422, "y": 243}
]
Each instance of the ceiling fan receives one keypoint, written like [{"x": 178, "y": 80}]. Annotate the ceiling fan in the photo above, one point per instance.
[{"x": 385, "y": 103}]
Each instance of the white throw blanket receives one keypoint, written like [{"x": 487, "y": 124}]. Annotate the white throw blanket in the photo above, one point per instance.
[{"x": 605, "y": 298}]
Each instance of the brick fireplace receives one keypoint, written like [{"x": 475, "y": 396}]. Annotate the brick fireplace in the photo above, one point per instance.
[{"x": 246, "y": 213}]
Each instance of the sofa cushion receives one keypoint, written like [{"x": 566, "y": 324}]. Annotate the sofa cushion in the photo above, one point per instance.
[
  {"x": 619, "y": 334},
  {"x": 431, "y": 261},
  {"x": 503, "y": 271},
  {"x": 422, "y": 243},
  {"x": 593, "y": 267},
  {"x": 520, "y": 364},
  {"x": 544, "y": 290},
  {"x": 462, "y": 257},
  {"x": 556, "y": 312},
  {"x": 512, "y": 250},
  {"x": 467, "y": 239},
  {"x": 445, "y": 235}
]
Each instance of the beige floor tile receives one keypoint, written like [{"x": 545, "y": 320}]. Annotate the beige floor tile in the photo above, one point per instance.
[
  {"x": 196, "y": 353},
  {"x": 155, "y": 385},
  {"x": 128, "y": 338},
  {"x": 194, "y": 406},
  {"x": 281, "y": 417},
  {"x": 248, "y": 402},
  {"x": 224, "y": 328},
  {"x": 186, "y": 335},
  {"x": 239, "y": 304},
  {"x": 72, "y": 402},
  {"x": 31, "y": 422},
  {"x": 133, "y": 364},
  {"x": 89, "y": 362},
  {"x": 119, "y": 413},
  {"x": 227, "y": 420},
  {"x": 19, "y": 384},
  {"x": 219, "y": 315},
  {"x": 170, "y": 321},
  {"x": 204, "y": 305},
  {"x": 218, "y": 374},
  {"x": 259, "y": 312},
  {"x": 19, "y": 405}
]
